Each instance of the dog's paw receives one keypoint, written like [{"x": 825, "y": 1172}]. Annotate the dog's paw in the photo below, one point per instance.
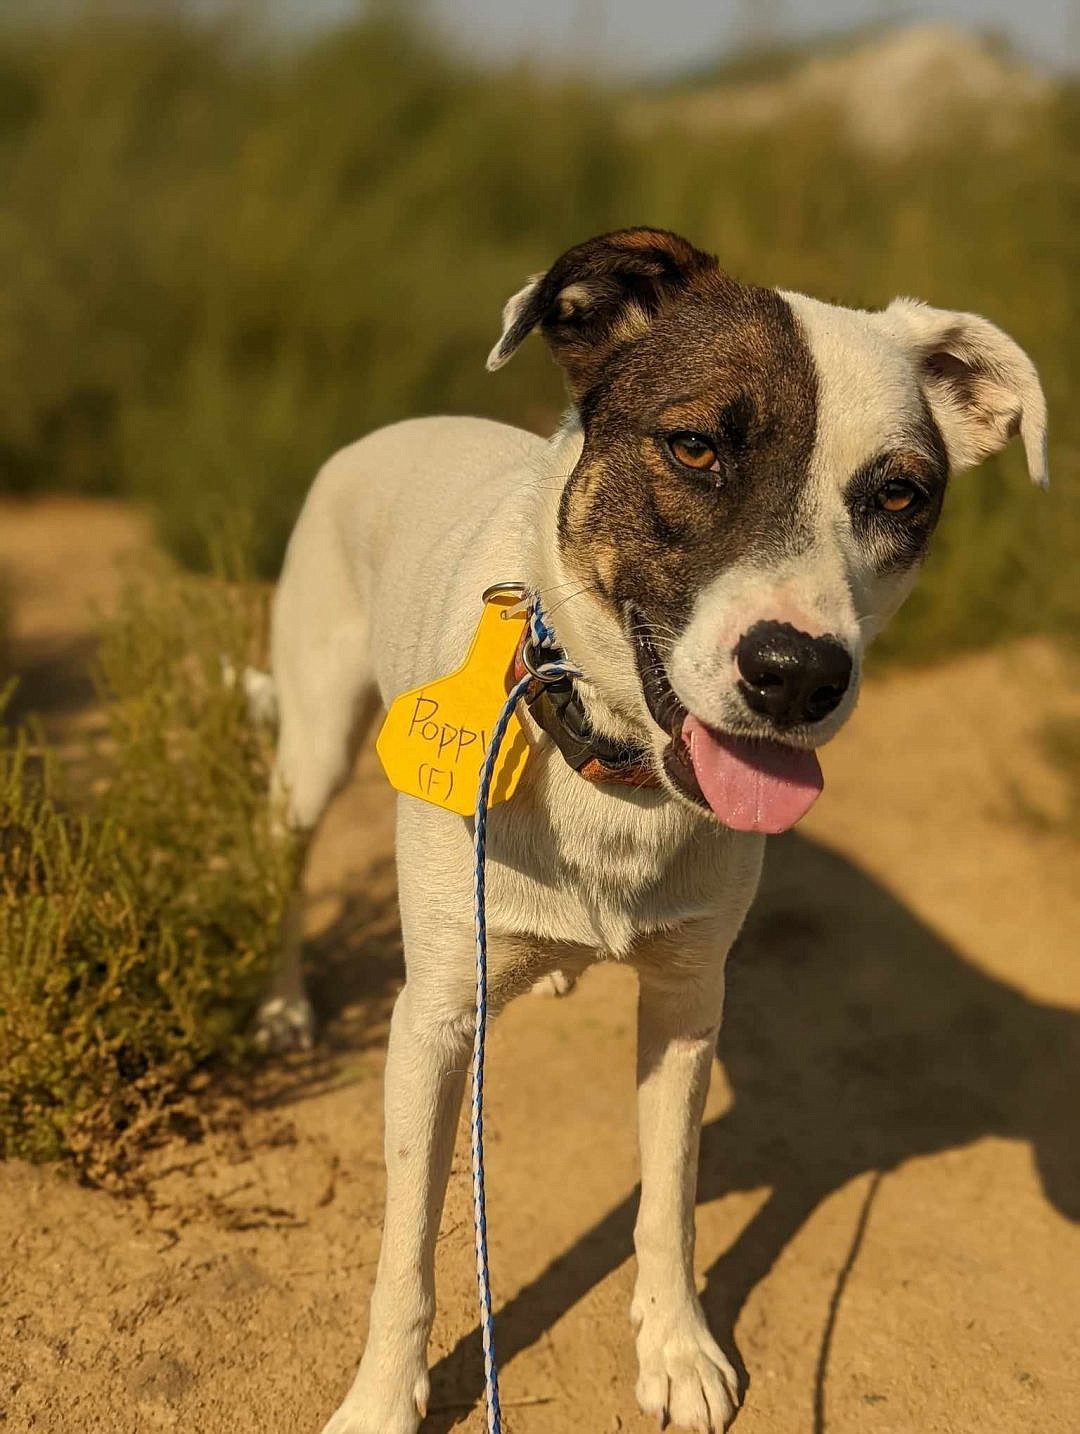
[
  {"x": 684, "y": 1377},
  {"x": 381, "y": 1405},
  {"x": 555, "y": 983},
  {"x": 284, "y": 1024}
]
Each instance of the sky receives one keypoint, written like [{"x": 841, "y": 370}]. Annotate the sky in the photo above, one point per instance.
[{"x": 640, "y": 37}]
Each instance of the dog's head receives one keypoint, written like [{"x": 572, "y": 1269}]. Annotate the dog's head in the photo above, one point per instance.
[{"x": 759, "y": 479}]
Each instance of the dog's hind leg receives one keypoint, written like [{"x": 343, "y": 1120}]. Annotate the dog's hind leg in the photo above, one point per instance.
[
  {"x": 285, "y": 1019},
  {"x": 326, "y": 699}
]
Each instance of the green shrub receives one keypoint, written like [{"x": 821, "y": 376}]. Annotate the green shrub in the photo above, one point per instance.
[
  {"x": 224, "y": 259},
  {"x": 137, "y": 926}
]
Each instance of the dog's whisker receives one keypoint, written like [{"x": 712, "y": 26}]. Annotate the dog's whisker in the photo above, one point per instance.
[
  {"x": 556, "y": 587},
  {"x": 588, "y": 588},
  {"x": 663, "y": 642}
]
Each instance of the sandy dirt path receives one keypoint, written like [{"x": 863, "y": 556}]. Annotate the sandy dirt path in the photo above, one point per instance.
[{"x": 889, "y": 1209}]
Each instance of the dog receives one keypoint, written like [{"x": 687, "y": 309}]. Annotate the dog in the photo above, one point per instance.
[{"x": 738, "y": 500}]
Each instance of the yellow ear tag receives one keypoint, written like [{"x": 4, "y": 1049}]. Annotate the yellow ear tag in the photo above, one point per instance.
[{"x": 434, "y": 739}]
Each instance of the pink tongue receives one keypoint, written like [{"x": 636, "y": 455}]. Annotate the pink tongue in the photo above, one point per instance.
[{"x": 752, "y": 786}]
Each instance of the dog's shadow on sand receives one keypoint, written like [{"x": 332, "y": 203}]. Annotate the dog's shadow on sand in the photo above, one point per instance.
[{"x": 855, "y": 1038}]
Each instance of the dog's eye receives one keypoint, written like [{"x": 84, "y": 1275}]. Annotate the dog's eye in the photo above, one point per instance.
[
  {"x": 899, "y": 495},
  {"x": 693, "y": 451}
]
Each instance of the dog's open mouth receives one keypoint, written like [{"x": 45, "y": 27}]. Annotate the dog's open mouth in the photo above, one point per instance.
[{"x": 749, "y": 784}]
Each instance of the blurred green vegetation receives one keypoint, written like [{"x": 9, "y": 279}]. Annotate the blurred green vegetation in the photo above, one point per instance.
[
  {"x": 223, "y": 259},
  {"x": 5, "y": 628},
  {"x": 139, "y": 911}
]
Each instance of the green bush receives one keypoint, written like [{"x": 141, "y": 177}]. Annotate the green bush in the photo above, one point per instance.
[
  {"x": 137, "y": 926},
  {"x": 223, "y": 259}
]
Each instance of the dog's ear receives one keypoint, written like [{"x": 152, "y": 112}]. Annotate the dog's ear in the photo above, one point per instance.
[
  {"x": 599, "y": 294},
  {"x": 981, "y": 386}
]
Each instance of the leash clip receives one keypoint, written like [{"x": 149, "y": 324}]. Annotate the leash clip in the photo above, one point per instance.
[
  {"x": 538, "y": 653},
  {"x": 534, "y": 663}
]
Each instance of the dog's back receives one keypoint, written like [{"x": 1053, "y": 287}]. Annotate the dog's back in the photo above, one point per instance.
[{"x": 398, "y": 531}]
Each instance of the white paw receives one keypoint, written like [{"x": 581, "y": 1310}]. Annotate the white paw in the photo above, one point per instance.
[
  {"x": 555, "y": 983},
  {"x": 684, "y": 1377},
  {"x": 285, "y": 1024},
  {"x": 381, "y": 1404}
]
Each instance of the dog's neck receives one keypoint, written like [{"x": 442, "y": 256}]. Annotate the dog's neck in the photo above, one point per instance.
[{"x": 589, "y": 635}]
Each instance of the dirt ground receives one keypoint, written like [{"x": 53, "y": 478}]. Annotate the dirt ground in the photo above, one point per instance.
[{"x": 889, "y": 1209}]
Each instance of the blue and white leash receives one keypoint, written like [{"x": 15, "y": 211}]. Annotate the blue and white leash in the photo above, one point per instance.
[{"x": 541, "y": 638}]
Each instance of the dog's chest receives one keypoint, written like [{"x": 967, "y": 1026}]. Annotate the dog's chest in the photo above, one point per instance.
[{"x": 601, "y": 868}]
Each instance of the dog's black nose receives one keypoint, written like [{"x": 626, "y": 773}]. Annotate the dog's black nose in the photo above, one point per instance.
[{"x": 789, "y": 676}]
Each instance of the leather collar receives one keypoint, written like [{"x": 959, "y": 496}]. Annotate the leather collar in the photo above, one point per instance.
[{"x": 558, "y": 709}]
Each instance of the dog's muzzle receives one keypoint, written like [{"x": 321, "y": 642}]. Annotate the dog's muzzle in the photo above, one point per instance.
[
  {"x": 788, "y": 677},
  {"x": 750, "y": 784}
]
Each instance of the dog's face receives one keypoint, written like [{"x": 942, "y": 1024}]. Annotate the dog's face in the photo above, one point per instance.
[{"x": 760, "y": 478}]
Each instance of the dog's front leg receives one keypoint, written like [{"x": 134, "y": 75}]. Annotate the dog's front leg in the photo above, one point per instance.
[
  {"x": 684, "y": 1376},
  {"x": 425, "y": 1071}
]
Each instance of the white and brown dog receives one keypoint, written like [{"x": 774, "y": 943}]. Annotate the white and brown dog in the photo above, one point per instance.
[{"x": 740, "y": 497}]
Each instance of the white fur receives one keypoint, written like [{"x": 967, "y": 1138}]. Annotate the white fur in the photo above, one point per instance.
[
  {"x": 1008, "y": 394},
  {"x": 380, "y": 592}
]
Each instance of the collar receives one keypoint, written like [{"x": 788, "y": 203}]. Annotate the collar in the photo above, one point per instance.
[{"x": 557, "y": 708}]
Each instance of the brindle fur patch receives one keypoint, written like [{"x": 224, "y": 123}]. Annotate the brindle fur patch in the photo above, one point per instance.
[
  {"x": 722, "y": 359},
  {"x": 601, "y": 294}
]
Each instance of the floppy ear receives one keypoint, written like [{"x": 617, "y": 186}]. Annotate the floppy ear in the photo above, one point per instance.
[
  {"x": 597, "y": 295},
  {"x": 981, "y": 386}
]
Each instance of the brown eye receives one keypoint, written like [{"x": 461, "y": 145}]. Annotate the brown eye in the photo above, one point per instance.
[
  {"x": 898, "y": 496},
  {"x": 693, "y": 451}
]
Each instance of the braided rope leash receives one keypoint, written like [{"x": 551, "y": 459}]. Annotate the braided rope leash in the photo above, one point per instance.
[{"x": 541, "y": 638}]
